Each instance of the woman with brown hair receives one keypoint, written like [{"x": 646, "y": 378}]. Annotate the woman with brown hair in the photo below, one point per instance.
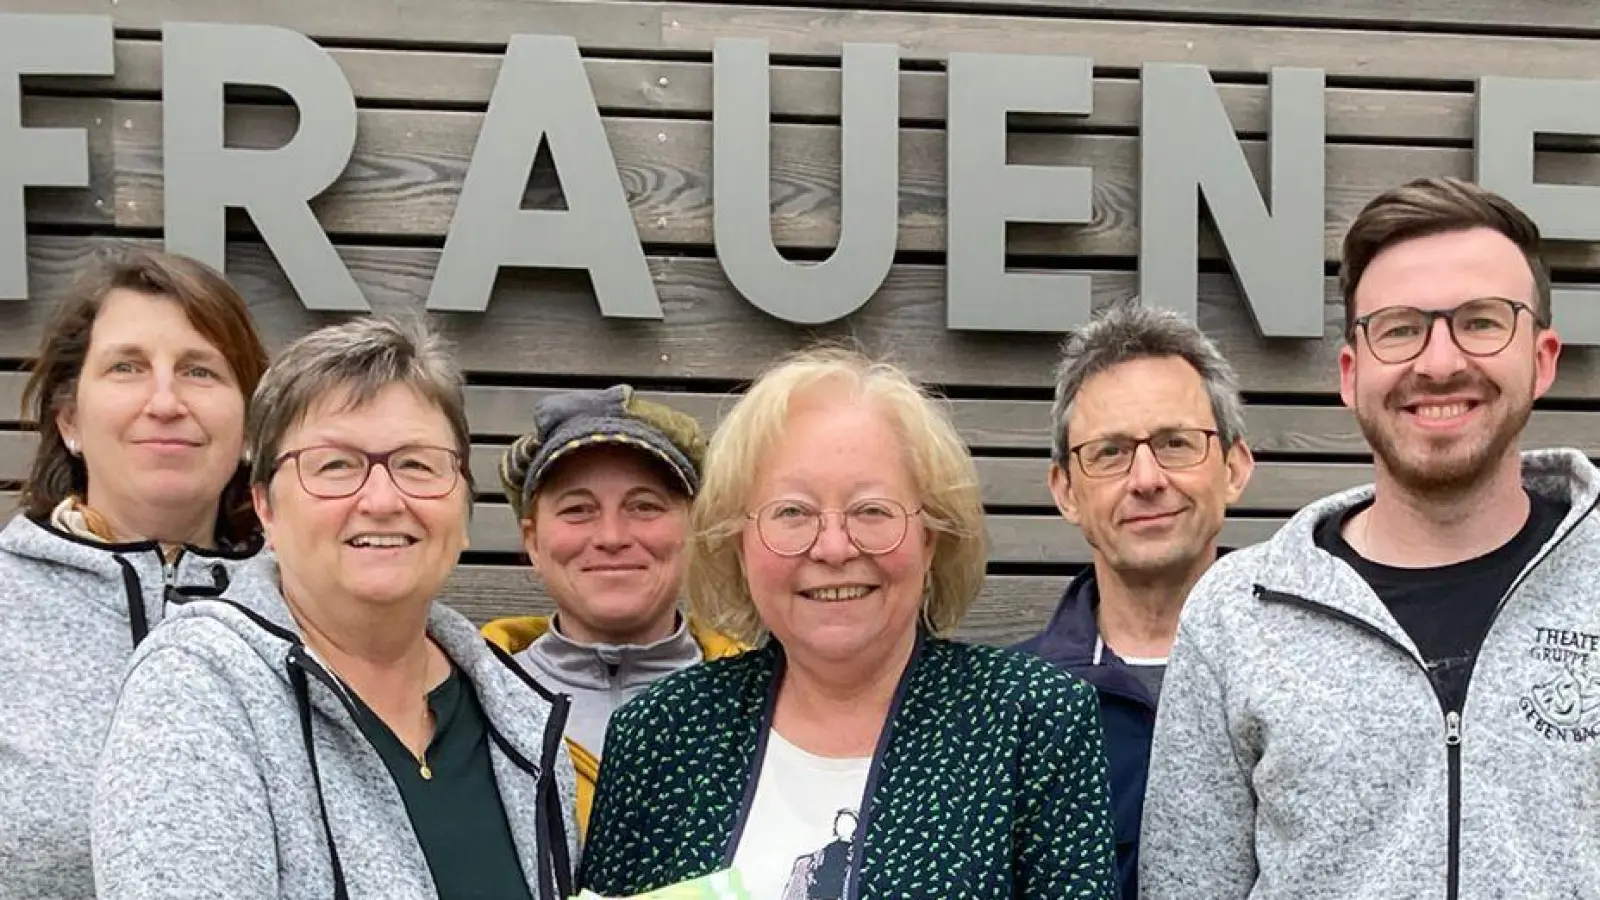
[{"x": 137, "y": 499}]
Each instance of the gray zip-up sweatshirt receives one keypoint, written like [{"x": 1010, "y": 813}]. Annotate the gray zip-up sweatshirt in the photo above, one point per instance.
[
  {"x": 600, "y": 678},
  {"x": 206, "y": 787},
  {"x": 1301, "y": 752},
  {"x": 73, "y": 610}
]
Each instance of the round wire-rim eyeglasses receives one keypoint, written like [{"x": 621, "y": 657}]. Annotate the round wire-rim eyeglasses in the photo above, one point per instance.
[{"x": 807, "y": 530}]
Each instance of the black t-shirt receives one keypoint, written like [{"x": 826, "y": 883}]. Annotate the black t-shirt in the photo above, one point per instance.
[
  {"x": 457, "y": 813},
  {"x": 1151, "y": 675},
  {"x": 1447, "y": 610}
]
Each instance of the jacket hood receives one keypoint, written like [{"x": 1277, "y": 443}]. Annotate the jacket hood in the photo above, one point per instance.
[
  {"x": 132, "y": 581},
  {"x": 356, "y": 805},
  {"x": 515, "y": 634},
  {"x": 32, "y": 539},
  {"x": 258, "y": 614},
  {"x": 1291, "y": 561}
]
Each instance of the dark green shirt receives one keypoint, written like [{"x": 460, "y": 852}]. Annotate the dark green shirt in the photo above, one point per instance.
[
  {"x": 991, "y": 784},
  {"x": 456, "y": 814}
]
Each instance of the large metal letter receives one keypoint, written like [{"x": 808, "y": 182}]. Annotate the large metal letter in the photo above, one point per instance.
[
  {"x": 1188, "y": 146},
  {"x": 58, "y": 157},
  {"x": 543, "y": 94},
  {"x": 869, "y": 184},
  {"x": 204, "y": 177},
  {"x": 1510, "y": 112},
  {"x": 984, "y": 193}
]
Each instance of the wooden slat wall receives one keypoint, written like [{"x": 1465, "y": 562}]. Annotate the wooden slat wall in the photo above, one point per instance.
[{"x": 1399, "y": 104}]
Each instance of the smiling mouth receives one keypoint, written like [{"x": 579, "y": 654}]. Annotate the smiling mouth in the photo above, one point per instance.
[
  {"x": 1441, "y": 411},
  {"x": 838, "y": 594},
  {"x": 381, "y": 541}
]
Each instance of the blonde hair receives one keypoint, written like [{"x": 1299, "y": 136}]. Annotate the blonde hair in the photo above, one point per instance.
[{"x": 938, "y": 460}]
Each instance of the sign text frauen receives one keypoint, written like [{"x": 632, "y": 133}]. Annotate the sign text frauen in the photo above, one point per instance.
[{"x": 1188, "y": 149}]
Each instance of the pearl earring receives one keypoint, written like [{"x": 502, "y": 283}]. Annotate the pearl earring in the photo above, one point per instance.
[{"x": 72, "y": 446}]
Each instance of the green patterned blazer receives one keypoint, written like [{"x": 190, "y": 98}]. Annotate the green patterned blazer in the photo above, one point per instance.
[{"x": 990, "y": 780}]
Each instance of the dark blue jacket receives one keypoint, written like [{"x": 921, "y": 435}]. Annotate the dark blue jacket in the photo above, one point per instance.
[{"x": 1127, "y": 712}]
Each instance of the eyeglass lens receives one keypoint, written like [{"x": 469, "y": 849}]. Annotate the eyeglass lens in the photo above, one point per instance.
[
  {"x": 1178, "y": 448},
  {"x": 1479, "y": 328},
  {"x": 789, "y": 527},
  {"x": 336, "y": 472}
]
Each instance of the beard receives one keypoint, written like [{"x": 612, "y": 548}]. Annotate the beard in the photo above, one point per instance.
[{"x": 1450, "y": 466}]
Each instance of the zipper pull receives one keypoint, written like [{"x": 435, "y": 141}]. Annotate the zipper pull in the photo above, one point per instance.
[{"x": 1452, "y": 728}]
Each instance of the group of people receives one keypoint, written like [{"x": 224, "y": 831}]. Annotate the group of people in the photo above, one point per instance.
[{"x": 229, "y": 673}]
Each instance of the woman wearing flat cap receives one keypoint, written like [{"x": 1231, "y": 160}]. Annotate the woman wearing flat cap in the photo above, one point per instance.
[{"x": 602, "y": 487}]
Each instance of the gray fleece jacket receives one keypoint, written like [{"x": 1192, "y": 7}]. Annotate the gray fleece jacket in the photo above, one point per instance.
[
  {"x": 73, "y": 610},
  {"x": 600, "y": 678},
  {"x": 207, "y": 786},
  {"x": 1301, "y": 752}
]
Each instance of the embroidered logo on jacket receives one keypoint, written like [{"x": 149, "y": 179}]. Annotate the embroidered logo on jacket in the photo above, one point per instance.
[{"x": 1565, "y": 706}]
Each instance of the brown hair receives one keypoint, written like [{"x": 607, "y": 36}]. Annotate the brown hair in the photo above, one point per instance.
[
  {"x": 1429, "y": 206},
  {"x": 213, "y": 307}
]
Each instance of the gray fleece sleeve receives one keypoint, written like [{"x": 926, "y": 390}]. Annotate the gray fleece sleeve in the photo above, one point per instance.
[
  {"x": 180, "y": 807},
  {"x": 1197, "y": 838}
]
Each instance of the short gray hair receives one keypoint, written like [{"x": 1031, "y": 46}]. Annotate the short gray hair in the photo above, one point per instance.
[
  {"x": 354, "y": 360},
  {"x": 1130, "y": 331}
]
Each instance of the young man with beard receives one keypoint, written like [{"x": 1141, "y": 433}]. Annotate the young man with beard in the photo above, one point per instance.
[
  {"x": 1390, "y": 698},
  {"x": 1148, "y": 451}
]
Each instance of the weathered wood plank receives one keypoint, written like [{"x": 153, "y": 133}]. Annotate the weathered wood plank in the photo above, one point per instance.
[
  {"x": 1020, "y": 482},
  {"x": 16, "y": 454},
  {"x": 547, "y": 323},
  {"x": 1026, "y": 424},
  {"x": 692, "y": 28},
  {"x": 11, "y": 385},
  {"x": 409, "y": 167},
  {"x": 1476, "y": 15},
  {"x": 1013, "y": 538},
  {"x": 1008, "y": 482},
  {"x": 645, "y": 87},
  {"x": 1010, "y": 608},
  {"x": 1045, "y": 538},
  {"x": 503, "y": 412},
  {"x": 1275, "y": 486}
]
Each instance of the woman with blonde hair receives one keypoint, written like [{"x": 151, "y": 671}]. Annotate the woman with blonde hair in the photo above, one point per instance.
[{"x": 840, "y": 528}]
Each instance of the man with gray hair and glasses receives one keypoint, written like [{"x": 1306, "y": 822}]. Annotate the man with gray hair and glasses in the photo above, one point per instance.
[
  {"x": 1398, "y": 694},
  {"x": 1148, "y": 452}
]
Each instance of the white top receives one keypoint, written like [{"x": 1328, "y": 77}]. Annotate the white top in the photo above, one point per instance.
[
  {"x": 1100, "y": 654},
  {"x": 796, "y": 840},
  {"x": 1145, "y": 660}
]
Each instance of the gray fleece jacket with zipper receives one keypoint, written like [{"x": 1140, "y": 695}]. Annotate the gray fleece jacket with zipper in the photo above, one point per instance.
[
  {"x": 73, "y": 610},
  {"x": 207, "y": 786},
  {"x": 1301, "y": 752}
]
